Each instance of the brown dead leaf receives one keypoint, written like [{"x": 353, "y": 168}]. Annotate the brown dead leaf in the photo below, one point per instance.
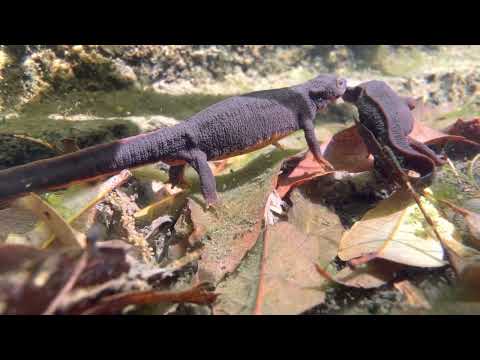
[
  {"x": 233, "y": 226},
  {"x": 347, "y": 151},
  {"x": 31, "y": 281},
  {"x": 472, "y": 219},
  {"x": 344, "y": 151},
  {"x": 237, "y": 292},
  {"x": 413, "y": 295},
  {"x": 466, "y": 263},
  {"x": 397, "y": 231},
  {"x": 289, "y": 282},
  {"x": 14, "y": 256},
  {"x": 76, "y": 272},
  {"x": 36, "y": 281},
  {"x": 376, "y": 273},
  {"x": 468, "y": 129},
  {"x": 424, "y": 133},
  {"x": 430, "y": 136},
  {"x": 75, "y": 205},
  {"x": 53, "y": 219},
  {"x": 306, "y": 169},
  {"x": 278, "y": 276}
]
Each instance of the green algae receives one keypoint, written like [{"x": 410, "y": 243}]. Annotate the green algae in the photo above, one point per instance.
[{"x": 122, "y": 103}]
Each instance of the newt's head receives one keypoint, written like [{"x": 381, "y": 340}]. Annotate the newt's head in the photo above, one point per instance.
[
  {"x": 325, "y": 88},
  {"x": 352, "y": 94}
]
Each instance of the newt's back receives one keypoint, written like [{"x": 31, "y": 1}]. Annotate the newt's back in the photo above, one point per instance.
[
  {"x": 241, "y": 123},
  {"x": 236, "y": 125}
]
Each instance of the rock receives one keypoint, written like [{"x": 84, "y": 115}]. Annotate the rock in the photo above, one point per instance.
[
  {"x": 35, "y": 71},
  {"x": 45, "y": 134}
]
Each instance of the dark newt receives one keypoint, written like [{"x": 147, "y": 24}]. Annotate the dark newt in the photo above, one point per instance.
[
  {"x": 388, "y": 117},
  {"x": 234, "y": 126}
]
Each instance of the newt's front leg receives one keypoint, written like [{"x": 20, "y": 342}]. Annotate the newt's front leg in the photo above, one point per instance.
[
  {"x": 314, "y": 145},
  {"x": 197, "y": 159}
]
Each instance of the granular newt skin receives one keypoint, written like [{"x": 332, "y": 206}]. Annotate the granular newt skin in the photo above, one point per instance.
[
  {"x": 234, "y": 126},
  {"x": 388, "y": 116}
]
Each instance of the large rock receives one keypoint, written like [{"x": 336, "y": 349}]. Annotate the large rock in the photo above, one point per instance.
[{"x": 29, "y": 72}]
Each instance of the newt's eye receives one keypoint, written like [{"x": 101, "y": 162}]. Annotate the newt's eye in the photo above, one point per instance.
[{"x": 341, "y": 83}]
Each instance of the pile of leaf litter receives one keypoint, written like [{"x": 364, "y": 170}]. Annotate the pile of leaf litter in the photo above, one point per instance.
[{"x": 289, "y": 237}]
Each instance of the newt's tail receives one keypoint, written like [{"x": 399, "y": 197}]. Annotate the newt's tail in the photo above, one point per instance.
[{"x": 90, "y": 163}]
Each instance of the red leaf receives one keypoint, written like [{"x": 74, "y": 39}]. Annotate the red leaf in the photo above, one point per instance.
[
  {"x": 427, "y": 135},
  {"x": 307, "y": 169},
  {"x": 468, "y": 129},
  {"x": 347, "y": 151}
]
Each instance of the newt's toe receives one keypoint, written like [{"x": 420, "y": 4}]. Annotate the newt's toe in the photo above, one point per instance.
[
  {"x": 214, "y": 208},
  {"x": 324, "y": 162}
]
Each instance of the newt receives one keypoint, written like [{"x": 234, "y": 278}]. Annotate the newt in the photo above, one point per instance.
[
  {"x": 388, "y": 117},
  {"x": 234, "y": 126}
]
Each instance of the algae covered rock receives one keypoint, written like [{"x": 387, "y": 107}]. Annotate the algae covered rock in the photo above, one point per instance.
[{"x": 29, "y": 73}]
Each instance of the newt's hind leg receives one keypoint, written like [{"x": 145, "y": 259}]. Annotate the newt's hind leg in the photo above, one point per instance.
[
  {"x": 197, "y": 159},
  {"x": 176, "y": 175}
]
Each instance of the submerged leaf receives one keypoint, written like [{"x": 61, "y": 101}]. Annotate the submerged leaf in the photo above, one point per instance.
[
  {"x": 472, "y": 219},
  {"x": 289, "y": 282},
  {"x": 468, "y": 129},
  {"x": 280, "y": 277},
  {"x": 231, "y": 229},
  {"x": 76, "y": 202},
  {"x": 305, "y": 170},
  {"x": 414, "y": 296},
  {"x": 67, "y": 235},
  {"x": 347, "y": 151},
  {"x": 34, "y": 281},
  {"x": 45, "y": 281},
  {"x": 396, "y": 230},
  {"x": 430, "y": 136},
  {"x": 376, "y": 273}
]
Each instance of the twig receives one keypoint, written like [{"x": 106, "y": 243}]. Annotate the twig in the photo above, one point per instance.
[
  {"x": 387, "y": 154},
  {"x": 105, "y": 188},
  {"x": 452, "y": 166},
  {"x": 470, "y": 168},
  {"x": 77, "y": 271}
]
